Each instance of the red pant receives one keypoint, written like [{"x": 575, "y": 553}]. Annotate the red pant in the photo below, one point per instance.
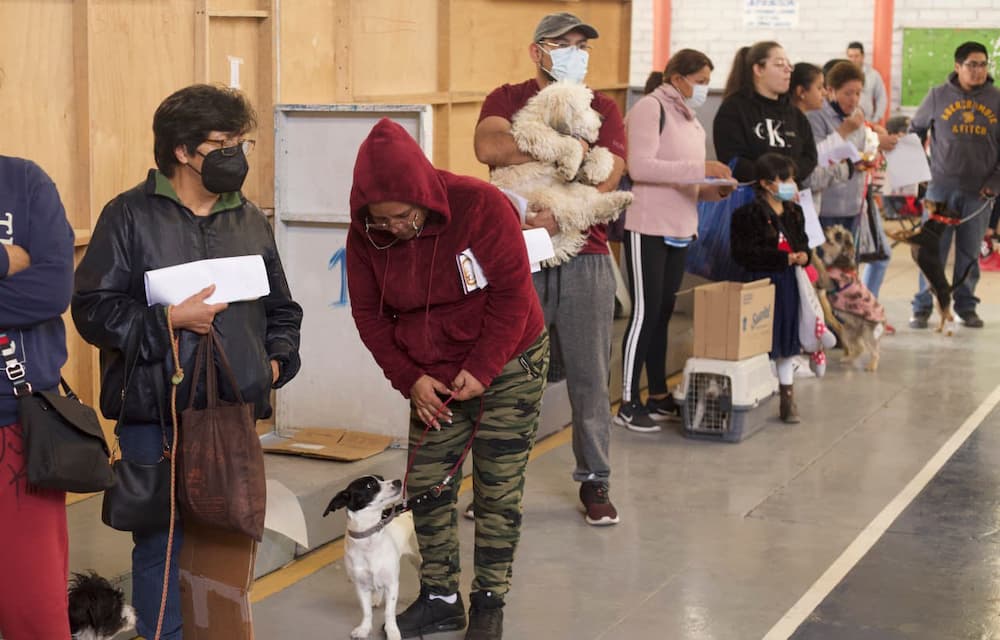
[{"x": 34, "y": 551}]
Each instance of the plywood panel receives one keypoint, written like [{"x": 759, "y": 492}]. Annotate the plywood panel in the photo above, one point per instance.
[
  {"x": 307, "y": 67},
  {"x": 462, "y": 128},
  {"x": 141, "y": 52},
  {"x": 491, "y": 40},
  {"x": 394, "y": 47},
  {"x": 237, "y": 6},
  {"x": 37, "y": 94},
  {"x": 235, "y": 47}
]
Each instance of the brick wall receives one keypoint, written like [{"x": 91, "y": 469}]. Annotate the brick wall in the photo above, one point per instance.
[{"x": 642, "y": 42}]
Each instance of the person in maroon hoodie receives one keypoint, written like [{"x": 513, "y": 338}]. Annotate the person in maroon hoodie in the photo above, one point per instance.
[{"x": 442, "y": 296}]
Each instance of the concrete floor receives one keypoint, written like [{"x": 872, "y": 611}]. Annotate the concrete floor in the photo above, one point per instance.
[{"x": 718, "y": 541}]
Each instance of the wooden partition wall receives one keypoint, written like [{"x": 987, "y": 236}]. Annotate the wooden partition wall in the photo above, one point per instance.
[{"x": 81, "y": 79}]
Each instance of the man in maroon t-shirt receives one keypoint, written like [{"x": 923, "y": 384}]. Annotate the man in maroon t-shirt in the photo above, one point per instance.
[{"x": 578, "y": 295}]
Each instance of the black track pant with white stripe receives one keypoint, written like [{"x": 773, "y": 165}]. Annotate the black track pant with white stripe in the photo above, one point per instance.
[{"x": 655, "y": 270}]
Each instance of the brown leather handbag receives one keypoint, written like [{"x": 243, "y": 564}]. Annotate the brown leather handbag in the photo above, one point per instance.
[{"x": 221, "y": 476}]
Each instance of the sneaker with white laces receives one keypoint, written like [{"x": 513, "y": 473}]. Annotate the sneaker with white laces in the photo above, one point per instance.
[
  {"x": 597, "y": 505},
  {"x": 634, "y": 416},
  {"x": 429, "y": 615},
  {"x": 663, "y": 409}
]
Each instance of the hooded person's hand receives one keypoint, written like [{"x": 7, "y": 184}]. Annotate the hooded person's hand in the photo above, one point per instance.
[
  {"x": 427, "y": 401},
  {"x": 466, "y": 386}
]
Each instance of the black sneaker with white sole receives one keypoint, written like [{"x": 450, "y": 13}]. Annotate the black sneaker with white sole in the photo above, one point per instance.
[
  {"x": 663, "y": 409},
  {"x": 635, "y": 416},
  {"x": 431, "y": 615}
]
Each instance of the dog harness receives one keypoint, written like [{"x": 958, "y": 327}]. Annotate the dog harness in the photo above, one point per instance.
[{"x": 852, "y": 296}]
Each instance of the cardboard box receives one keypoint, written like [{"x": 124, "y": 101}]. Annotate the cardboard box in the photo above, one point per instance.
[
  {"x": 733, "y": 320},
  {"x": 216, "y": 573},
  {"x": 329, "y": 444}
]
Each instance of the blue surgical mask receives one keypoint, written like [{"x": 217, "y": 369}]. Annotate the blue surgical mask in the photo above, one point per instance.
[
  {"x": 569, "y": 64},
  {"x": 787, "y": 191},
  {"x": 698, "y": 96}
]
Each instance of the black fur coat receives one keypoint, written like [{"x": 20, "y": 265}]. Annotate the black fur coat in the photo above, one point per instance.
[{"x": 753, "y": 235}]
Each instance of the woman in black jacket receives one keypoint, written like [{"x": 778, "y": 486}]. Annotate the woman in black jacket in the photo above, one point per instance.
[
  {"x": 768, "y": 239},
  {"x": 758, "y": 117},
  {"x": 190, "y": 208}
]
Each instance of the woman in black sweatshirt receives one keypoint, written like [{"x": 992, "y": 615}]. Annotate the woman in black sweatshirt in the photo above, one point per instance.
[{"x": 757, "y": 116}]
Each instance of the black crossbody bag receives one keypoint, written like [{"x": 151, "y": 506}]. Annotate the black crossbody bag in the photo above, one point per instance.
[
  {"x": 140, "y": 500},
  {"x": 64, "y": 447}
]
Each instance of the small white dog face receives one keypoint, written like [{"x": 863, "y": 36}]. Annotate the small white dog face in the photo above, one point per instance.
[
  {"x": 372, "y": 493},
  {"x": 566, "y": 108}
]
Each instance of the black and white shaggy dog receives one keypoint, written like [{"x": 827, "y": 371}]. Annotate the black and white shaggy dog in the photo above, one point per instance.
[
  {"x": 97, "y": 610},
  {"x": 373, "y": 547}
]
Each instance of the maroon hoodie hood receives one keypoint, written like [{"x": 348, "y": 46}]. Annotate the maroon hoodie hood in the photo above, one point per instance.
[{"x": 407, "y": 298}]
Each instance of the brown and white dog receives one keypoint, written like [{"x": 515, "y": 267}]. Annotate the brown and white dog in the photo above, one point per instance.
[{"x": 862, "y": 317}]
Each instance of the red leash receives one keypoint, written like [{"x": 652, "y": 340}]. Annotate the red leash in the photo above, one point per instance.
[{"x": 436, "y": 490}]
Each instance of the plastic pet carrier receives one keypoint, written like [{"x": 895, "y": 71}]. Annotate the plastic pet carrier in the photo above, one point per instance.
[{"x": 726, "y": 400}]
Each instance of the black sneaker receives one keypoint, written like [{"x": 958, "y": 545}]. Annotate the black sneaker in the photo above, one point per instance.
[
  {"x": 919, "y": 319},
  {"x": 971, "y": 319},
  {"x": 427, "y": 615},
  {"x": 597, "y": 506},
  {"x": 663, "y": 409},
  {"x": 485, "y": 616},
  {"x": 635, "y": 417}
]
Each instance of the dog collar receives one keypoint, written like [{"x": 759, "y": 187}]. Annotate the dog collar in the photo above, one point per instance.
[
  {"x": 369, "y": 532},
  {"x": 951, "y": 222}
]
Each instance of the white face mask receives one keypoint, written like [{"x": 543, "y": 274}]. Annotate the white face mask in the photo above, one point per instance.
[
  {"x": 569, "y": 64},
  {"x": 698, "y": 96}
]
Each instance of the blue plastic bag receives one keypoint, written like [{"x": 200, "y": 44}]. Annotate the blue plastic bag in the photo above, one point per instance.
[{"x": 709, "y": 255}]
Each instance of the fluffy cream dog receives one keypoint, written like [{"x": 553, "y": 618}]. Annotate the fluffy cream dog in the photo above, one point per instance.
[{"x": 562, "y": 178}]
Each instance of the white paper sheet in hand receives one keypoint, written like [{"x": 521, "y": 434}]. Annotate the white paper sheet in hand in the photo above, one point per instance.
[
  {"x": 813, "y": 228},
  {"x": 540, "y": 247},
  {"x": 235, "y": 279},
  {"x": 907, "y": 163},
  {"x": 838, "y": 153}
]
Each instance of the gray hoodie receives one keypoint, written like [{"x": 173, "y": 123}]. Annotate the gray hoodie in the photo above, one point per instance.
[
  {"x": 841, "y": 199},
  {"x": 965, "y": 135}
]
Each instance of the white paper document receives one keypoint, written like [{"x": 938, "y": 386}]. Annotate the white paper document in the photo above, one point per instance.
[
  {"x": 906, "y": 164},
  {"x": 540, "y": 248},
  {"x": 520, "y": 202},
  {"x": 235, "y": 279},
  {"x": 813, "y": 228},
  {"x": 832, "y": 154}
]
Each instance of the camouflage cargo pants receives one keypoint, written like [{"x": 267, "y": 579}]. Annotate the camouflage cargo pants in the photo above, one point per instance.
[{"x": 511, "y": 407}]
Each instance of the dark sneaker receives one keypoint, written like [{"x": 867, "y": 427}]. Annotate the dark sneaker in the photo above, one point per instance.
[
  {"x": 919, "y": 320},
  {"x": 971, "y": 319},
  {"x": 663, "y": 409},
  {"x": 469, "y": 512},
  {"x": 596, "y": 504},
  {"x": 427, "y": 615},
  {"x": 635, "y": 417},
  {"x": 485, "y": 616}
]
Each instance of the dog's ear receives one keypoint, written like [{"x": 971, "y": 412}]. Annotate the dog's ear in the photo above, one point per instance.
[{"x": 339, "y": 501}]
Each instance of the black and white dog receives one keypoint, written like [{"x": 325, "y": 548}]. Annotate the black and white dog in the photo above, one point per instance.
[
  {"x": 373, "y": 547},
  {"x": 97, "y": 610}
]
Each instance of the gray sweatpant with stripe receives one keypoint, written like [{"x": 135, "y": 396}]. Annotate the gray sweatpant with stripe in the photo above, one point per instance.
[{"x": 578, "y": 299}]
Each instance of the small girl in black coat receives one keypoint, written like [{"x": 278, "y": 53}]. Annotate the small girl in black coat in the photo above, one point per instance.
[{"x": 768, "y": 238}]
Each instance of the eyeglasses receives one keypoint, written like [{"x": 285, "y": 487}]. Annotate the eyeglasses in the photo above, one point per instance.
[
  {"x": 406, "y": 218},
  {"x": 229, "y": 147},
  {"x": 552, "y": 46},
  {"x": 975, "y": 66}
]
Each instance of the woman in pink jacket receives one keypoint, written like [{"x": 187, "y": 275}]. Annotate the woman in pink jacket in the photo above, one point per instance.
[{"x": 666, "y": 157}]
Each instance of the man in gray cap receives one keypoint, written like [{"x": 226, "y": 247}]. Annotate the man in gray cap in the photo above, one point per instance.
[{"x": 577, "y": 296}]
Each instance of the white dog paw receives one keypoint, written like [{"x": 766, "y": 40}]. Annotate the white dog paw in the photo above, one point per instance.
[
  {"x": 597, "y": 166},
  {"x": 393, "y": 633},
  {"x": 568, "y": 164},
  {"x": 361, "y": 631}
]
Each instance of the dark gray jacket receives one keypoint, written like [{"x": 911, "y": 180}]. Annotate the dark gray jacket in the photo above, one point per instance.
[
  {"x": 965, "y": 135},
  {"x": 840, "y": 199}
]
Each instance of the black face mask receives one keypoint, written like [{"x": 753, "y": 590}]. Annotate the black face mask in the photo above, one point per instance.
[{"x": 221, "y": 173}]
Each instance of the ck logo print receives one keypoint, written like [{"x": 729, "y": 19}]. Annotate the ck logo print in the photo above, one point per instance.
[
  {"x": 770, "y": 130},
  {"x": 7, "y": 228}
]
